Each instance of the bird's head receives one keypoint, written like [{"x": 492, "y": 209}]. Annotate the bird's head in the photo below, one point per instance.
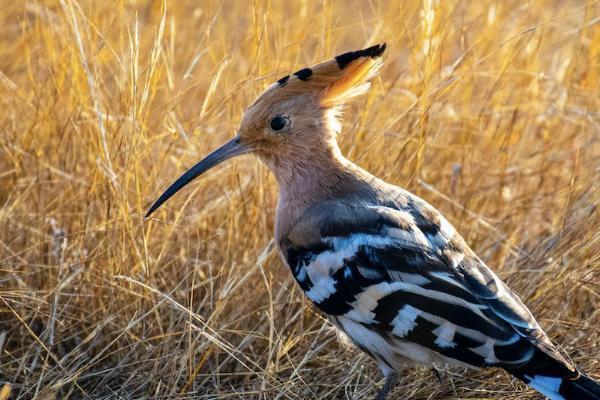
[{"x": 296, "y": 117}]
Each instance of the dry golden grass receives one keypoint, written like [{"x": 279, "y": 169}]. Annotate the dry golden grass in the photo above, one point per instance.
[{"x": 490, "y": 110}]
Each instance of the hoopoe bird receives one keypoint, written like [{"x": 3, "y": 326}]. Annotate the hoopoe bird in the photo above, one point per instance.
[{"x": 385, "y": 266}]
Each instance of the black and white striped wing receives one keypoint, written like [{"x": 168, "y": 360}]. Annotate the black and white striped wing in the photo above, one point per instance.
[{"x": 403, "y": 275}]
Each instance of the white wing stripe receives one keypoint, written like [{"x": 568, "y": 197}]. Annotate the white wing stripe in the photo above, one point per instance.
[
  {"x": 445, "y": 335},
  {"x": 404, "y": 321}
]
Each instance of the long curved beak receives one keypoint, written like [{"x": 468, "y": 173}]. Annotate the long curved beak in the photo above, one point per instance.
[{"x": 230, "y": 149}]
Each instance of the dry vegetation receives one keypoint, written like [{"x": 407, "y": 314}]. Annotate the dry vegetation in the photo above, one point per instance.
[{"x": 490, "y": 110}]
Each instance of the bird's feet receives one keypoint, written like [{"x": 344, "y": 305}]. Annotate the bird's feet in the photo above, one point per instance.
[
  {"x": 438, "y": 375},
  {"x": 390, "y": 382}
]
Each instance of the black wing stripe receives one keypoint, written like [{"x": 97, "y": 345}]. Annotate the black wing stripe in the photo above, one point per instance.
[
  {"x": 451, "y": 289},
  {"x": 403, "y": 259},
  {"x": 346, "y": 288},
  {"x": 460, "y": 315},
  {"x": 423, "y": 334}
]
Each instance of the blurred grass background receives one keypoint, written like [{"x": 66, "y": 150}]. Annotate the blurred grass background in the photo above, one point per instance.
[{"x": 490, "y": 110}]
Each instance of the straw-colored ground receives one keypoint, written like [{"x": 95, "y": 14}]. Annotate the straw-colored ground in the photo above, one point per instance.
[{"x": 490, "y": 110}]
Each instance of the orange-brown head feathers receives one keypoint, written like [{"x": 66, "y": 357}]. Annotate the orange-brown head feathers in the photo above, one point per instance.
[
  {"x": 297, "y": 113},
  {"x": 334, "y": 81}
]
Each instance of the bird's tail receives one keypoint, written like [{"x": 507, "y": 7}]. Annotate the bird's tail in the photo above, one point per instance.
[
  {"x": 581, "y": 387},
  {"x": 554, "y": 376}
]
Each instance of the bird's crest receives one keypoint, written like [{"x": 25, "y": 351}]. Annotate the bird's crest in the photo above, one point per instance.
[{"x": 333, "y": 81}]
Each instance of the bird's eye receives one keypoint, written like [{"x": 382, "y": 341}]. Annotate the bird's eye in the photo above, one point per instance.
[{"x": 278, "y": 123}]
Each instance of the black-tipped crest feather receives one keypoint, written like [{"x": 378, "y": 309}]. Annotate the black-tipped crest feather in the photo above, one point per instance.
[
  {"x": 283, "y": 80},
  {"x": 304, "y": 74},
  {"x": 374, "y": 51}
]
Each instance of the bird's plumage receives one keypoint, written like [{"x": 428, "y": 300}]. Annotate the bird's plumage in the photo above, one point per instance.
[
  {"x": 397, "y": 268},
  {"x": 384, "y": 265}
]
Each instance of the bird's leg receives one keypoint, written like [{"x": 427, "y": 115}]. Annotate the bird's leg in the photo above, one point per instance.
[
  {"x": 439, "y": 376},
  {"x": 437, "y": 373},
  {"x": 390, "y": 382}
]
